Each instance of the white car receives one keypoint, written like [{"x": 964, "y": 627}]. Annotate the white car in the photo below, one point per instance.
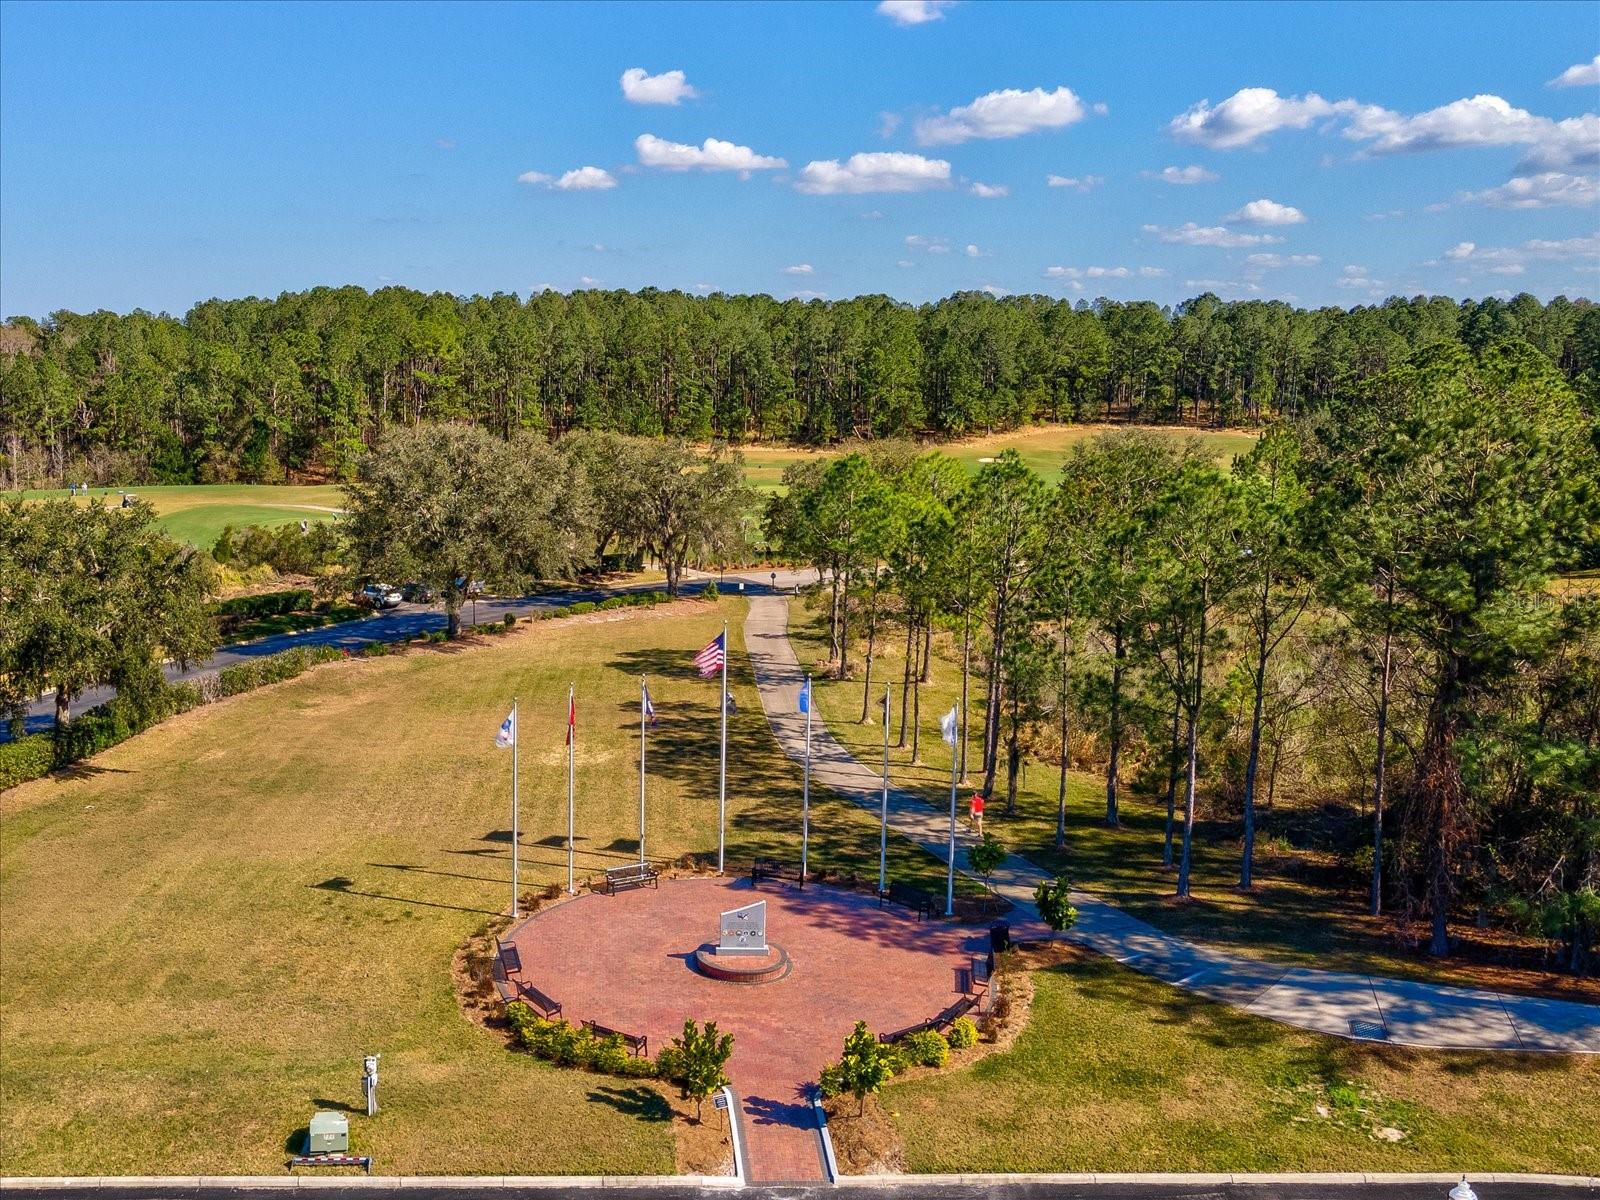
[{"x": 381, "y": 595}]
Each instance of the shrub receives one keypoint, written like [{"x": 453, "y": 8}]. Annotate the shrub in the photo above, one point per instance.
[
  {"x": 267, "y": 604},
  {"x": 581, "y": 607},
  {"x": 274, "y": 668},
  {"x": 1053, "y": 898},
  {"x": 669, "y": 1064},
  {"x": 963, "y": 1033},
  {"x": 926, "y": 1049},
  {"x": 26, "y": 758},
  {"x": 712, "y": 592},
  {"x": 611, "y": 602},
  {"x": 864, "y": 1067},
  {"x": 376, "y": 649},
  {"x": 509, "y": 620},
  {"x": 438, "y": 637}
]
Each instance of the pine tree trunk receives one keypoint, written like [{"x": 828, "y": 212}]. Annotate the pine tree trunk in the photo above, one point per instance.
[
  {"x": 872, "y": 635},
  {"x": 1379, "y": 770},
  {"x": 1247, "y": 866},
  {"x": 1174, "y": 760},
  {"x": 1119, "y": 658},
  {"x": 966, "y": 678},
  {"x": 1061, "y": 783},
  {"x": 905, "y": 679}
]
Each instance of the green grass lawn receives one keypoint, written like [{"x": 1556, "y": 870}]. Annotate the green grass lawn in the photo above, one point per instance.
[
  {"x": 1118, "y": 1072},
  {"x": 196, "y": 513},
  {"x": 1302, "y": 910},
  {"x": 1044, "y": 448},
  {"x": 205, "y": 927}
]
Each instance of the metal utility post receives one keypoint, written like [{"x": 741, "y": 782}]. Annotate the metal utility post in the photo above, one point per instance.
[
  {"x": 369, "y": 1083},
  {"x": 722, "y": 777}
]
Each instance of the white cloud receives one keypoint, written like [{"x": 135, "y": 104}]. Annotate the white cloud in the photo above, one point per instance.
[
  {"x": 973, "y": 251},
  {"x": 1075, "y": 273},
  {"x": 710, "y": 155},
  {"x": 1190, "y": 234},
  {"x": 1223, "y": 287},
  {"x": 1248, "y": 114},
  {"x": 1266, "y": 212},
  {"x": 914, "y": 12},
  {"x": 586, "y": 179},
  {"x": 888, "y": 122},
  {"x": 1357, "y": 278},
  {"x": 990, "y": 191},
  {"x": 669, "y": 87},
  {"x": 1003, "y": 114},
  {"x": 1580, "y": 253},
  {"x": 904, "y": 262},
  {"x": 1584, "y": 74},
  {"x": 798, "y": 269},
  {"x": 1549, "y": 189},
  {"x": 588, "y": 281},
  {"x": 1183, "y": 176},
  {"x": 882, "y": 171},
  {"x": 583, "y": 179},
  {"x": 929, "y": 245},
  {"x": 995, "y": 290},
  {"x": 1078, "y": 183},
  {"x": 703, "y": 287},
  {"x": 1273, "y": 261},
  {"x": 810, "y": 295},
  {"x": 1484, "y": 120},
  {"x": 873, "y": 215}
]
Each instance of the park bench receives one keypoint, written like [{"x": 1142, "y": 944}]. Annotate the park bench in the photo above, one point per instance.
[
  {"x": 510, "y": 959},
  {"x": 329, "y": 1160},
  {"x": 772, "y": 868},
  {"x": 916, "y": 899},
  {"x": 542, "y": 1004},
  {"x": 942, "y": 1021},
  {"x": 632, "y": 875},
  {"x": 983, "y": 969},
  {"x": 638, "y": 1044}
]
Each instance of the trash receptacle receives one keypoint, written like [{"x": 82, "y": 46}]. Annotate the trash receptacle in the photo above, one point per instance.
[
  {"x": 329, "y": 1134},
  {"x": 1000, "y": 936}
]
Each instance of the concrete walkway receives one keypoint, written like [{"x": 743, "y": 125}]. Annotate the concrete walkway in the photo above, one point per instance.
[{"x": 1369, "y": 1008}]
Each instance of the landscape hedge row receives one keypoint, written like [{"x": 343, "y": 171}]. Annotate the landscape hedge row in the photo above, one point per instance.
[
  {"x": 574, "y": 1046},
  {"x": 624, "y": 600},
  {"x": 266, "y": 604},
  {"x": 121, "y": 717}
]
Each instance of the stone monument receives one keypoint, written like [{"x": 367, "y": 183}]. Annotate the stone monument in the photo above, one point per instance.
[
  {"x": 742, "y": 954},
  {"x": 743, "y": 930}
]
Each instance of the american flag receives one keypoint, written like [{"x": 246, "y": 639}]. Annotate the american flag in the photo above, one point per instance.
[
  {"x": 711, "y": 659},
  {"x": 572, "y": 718}
]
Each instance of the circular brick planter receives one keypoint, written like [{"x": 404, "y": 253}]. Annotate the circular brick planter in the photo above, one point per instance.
[{"x": 743, "y": 968}]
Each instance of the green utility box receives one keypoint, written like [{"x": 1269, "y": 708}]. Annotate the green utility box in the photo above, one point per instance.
[{"x": 329, "y": 1134}]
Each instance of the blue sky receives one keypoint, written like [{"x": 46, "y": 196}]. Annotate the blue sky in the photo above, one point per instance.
[{"x": 153, "y": 156}]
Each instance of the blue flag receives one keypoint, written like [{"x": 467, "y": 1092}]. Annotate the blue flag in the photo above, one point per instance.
[
  {"x": 649, "y": 707},
  {"x": 805, "y": 695}
]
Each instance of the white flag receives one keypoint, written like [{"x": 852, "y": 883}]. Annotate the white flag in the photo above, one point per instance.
[
  {"x": 947, "y": 726},
  {"x": 503, "y": 739}
]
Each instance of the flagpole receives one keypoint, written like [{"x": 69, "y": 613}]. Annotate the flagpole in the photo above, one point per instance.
[
  {"x": 722, "y": 779},
  {"x": 516, "y": 731},
  {"x": 950, "y": 877},
  {"x": 572, "y": 748},
  {"x": 883, "y": 811},
  {"x": 805, "y": 792},
  {"x": 642, "y": 694}
]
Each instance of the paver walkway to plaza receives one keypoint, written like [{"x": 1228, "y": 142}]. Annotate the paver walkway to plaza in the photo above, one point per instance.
[{"x": 1335, "y": 1002}]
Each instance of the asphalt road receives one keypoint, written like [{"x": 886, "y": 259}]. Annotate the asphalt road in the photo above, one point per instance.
[
  {"x": 393, "y": 626},
  {"x": 918, "y": 1188}
]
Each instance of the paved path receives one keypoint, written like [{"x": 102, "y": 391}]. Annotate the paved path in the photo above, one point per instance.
[
  {"x": 1366, "y": 1007},
  {"x": 396, "y": 625}
]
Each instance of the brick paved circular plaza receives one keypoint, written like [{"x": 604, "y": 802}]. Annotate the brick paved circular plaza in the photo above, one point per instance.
[{"x": 626, "y": 961}]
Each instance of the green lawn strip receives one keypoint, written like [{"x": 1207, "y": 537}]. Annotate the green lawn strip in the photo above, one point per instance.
[
  {"x": 207, "y": 926},
  {"x": 1119, "y": 1072},
  {"x": 1302, "y": 912}
]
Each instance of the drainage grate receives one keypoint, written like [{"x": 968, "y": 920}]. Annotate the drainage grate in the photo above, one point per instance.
[{"x": 1372, "y": 1031}]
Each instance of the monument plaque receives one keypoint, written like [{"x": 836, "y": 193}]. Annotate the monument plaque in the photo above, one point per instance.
[{"x": 743, "y": 930}]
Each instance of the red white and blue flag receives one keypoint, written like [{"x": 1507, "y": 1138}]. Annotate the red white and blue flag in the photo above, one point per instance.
[
  {"x": 572, "y": 719},
  {"x": 714, "y": 657}
]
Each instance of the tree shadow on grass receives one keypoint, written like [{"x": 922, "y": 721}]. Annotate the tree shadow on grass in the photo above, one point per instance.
[
  {"x": 645, "y": 1104},
  {"x": 347, "y": 887}
]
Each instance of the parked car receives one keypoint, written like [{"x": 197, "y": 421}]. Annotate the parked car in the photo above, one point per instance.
[
  {"x": 381, "y": 596},
  {"x": 418, "y": 593}
]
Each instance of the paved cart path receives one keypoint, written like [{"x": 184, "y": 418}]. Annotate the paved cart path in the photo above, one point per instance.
[{"x": 1367, "y": 1007}]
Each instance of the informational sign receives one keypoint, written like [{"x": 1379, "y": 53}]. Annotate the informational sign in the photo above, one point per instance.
[
  {"x": 720, "y": 1100},
  {"x": 743, "y": 930}
]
